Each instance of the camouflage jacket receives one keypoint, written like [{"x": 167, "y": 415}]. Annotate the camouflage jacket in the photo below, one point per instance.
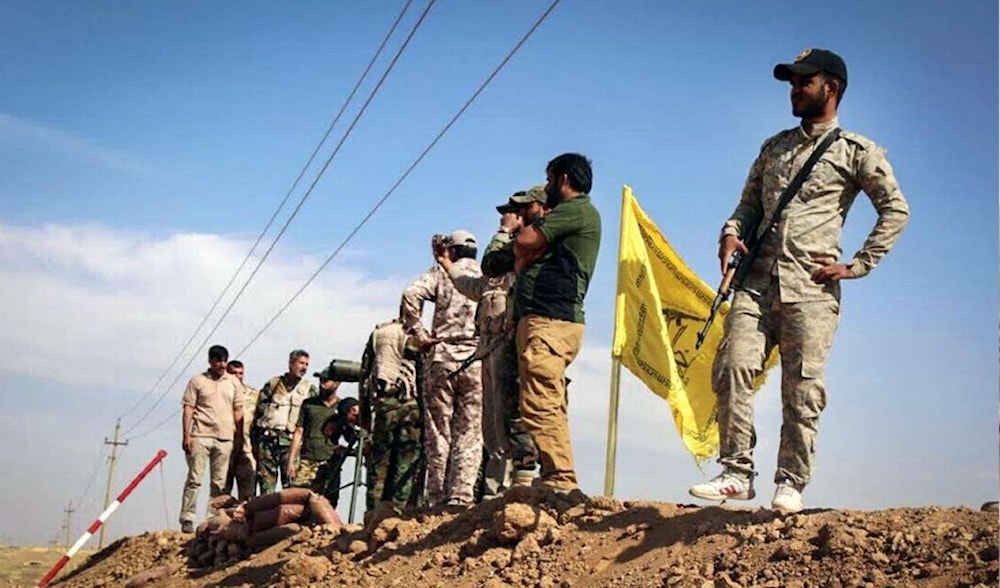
[
  {"x": 388, "y": 369},
  {"x": 454, "y": 314},
  {"x": 492, "y": 294},
  {"x": 278, "y": 408},
  {"x": 810, "y": 225},
  {"x": 250, "y": 397}
]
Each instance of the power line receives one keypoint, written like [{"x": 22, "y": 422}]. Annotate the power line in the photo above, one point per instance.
[
  {"x": 267, "y": 227},
  {"x": 92, "y": 477},
  {"x": 298, "y": 206},
  {"x": 385, "y": 197},
  {"x": 403, "y": 177}
]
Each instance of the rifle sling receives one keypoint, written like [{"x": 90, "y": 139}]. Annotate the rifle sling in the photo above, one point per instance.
[{"x": 790, "y": 191}]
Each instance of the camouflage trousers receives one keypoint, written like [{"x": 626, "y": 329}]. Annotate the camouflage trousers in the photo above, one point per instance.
[
  {"x": 803, "y": 332},
  {"x": 272, "y": 458},
  {"x": 453, "y": 432},
  {"x": 322, "y": 477},
  {"x": 507, "y": 446},
  {"x": 393, "y": 467},
  {"x": 242, "y": 472}
]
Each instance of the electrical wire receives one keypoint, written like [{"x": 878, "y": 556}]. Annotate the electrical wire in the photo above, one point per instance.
[
  {"x": 295, "y": 212},
  {"x": 389, "y": 193},
  {"x": 403, "y": 177},
  {"x": 93, "y": 475}
]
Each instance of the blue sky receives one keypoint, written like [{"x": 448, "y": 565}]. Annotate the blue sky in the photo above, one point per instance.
[{"x": 144, "y": 146}]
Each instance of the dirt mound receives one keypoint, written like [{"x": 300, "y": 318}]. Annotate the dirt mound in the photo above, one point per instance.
[{"x": 533, "y": 537}]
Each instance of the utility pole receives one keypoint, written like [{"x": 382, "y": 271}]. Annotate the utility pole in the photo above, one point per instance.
[
  {"x": 69, "y": 521},
  {"x": 111, "y": 474}
]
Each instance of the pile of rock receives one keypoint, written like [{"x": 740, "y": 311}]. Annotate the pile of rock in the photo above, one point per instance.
[{"x": 238, "y": 529}]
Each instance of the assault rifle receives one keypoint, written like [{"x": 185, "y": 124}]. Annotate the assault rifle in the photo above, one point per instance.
[
  {"x": 736, "y": 271},
  {"x": 738, "y": 266}
]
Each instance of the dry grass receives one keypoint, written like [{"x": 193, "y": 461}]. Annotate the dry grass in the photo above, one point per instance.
[{"x": 25, "y": 566}]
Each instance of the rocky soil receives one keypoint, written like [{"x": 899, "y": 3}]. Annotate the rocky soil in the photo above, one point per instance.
[{"x": 535, "y": 538}]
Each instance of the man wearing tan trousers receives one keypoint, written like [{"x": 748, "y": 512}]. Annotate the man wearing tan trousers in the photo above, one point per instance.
[{"x": 554, "y": 259}]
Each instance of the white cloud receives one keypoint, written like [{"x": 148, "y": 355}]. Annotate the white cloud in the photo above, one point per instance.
[
  {"x": 87, "y": 308},
  {"x": 123, "y": 303}
]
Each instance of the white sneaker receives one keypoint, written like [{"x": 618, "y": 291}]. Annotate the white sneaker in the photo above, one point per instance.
[
  {"x": 787, "y": 499},
  {"x": 728, "y": 485}
]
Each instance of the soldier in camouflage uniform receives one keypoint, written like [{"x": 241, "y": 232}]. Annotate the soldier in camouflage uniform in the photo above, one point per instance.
[
  {"x": 453, "y": 433},
  {"x": 511, "y": 455},
  {"x": 791, "y": 295},
  {"x": 312, "y": 459},
  {"x": 274, "y": 421},
  {"x": 242, "y": 466},
  {"x": 390, "y": 410}
]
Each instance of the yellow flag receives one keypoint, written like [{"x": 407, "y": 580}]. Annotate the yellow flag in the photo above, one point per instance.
[{"x": 660, "y": 307}]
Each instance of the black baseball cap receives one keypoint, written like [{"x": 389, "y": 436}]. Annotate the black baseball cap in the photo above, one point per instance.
[{"x": 811, "y": 62}]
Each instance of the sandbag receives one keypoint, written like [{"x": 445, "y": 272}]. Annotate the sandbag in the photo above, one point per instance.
[
  {"x": 321, "y": 512},
  {"x": 268, "y": 537},
  {"x": 269, "y": 501},
  {"x": 213, "y": 525},
  {"x": 275, "y": 517},
  {"x": 235, "y": 532}
]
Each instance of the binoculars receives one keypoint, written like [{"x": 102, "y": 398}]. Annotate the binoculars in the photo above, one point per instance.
[
  {"x": 439, "y": 242},
  {"x": 344, "y": 370}
]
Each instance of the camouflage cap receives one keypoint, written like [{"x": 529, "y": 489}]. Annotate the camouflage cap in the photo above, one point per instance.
[
  {"x": 810, "y": 62},
  {"x": 461, "y": 238},
  {"x": 522, "y": 198}
]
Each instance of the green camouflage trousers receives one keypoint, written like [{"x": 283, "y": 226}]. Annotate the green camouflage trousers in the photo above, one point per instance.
[
  {"x": 322, "y": 477},
  {"x": 393, "y": 462},
  {"x": 803, "y": 332},
  {"x": 272, "y": 457}
]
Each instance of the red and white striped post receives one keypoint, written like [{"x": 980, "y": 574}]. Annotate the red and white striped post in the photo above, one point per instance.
[{"x": 100, "y": 520}]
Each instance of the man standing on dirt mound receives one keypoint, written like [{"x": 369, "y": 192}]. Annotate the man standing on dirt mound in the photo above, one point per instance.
[
  {"x": 511, "y": 455},
  {"x": 554, "y": 259},
  {"x": 274, "y": 422},
  {"x": 453, "y": 406},
  {"x": 311, "y": 462},
  {"x": 790, "y": 295},
  {"x": 390, "y": 410},
  {"x": 242, "y": 466},
  {"x": 212, "y": 411}
]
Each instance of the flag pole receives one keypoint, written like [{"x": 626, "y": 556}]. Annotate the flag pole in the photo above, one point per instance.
[
  {"x": 609, "y": 468},
  {"x": 616, "y": 368}
]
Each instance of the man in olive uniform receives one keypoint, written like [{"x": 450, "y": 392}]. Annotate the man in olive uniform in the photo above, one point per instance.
[
  {"x": 274, "y": 423},
  {"x": 309, "y": 458},
  {"x": 554, "y": 258},
  {"x": 511, "y": 455},
  {"x": 791, "y": 294},
  {"x": 390, "y": 410}
]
